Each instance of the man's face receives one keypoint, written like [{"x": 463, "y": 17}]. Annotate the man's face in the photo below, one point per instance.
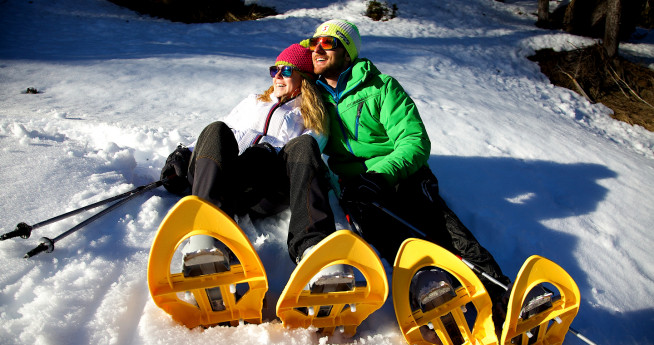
[{"x": 330, "y": 63}]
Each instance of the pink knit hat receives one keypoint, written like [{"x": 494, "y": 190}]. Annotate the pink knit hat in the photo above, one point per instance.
[{"x": 298, "y": 57}]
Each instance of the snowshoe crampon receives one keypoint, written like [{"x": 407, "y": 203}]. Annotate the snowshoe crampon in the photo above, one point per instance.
[
  {"x": 415, "y": 254},
  {"x": 552, "y": 318},
  {"x": 189, "y": 217},
  {"x": 343, "y": 310}
]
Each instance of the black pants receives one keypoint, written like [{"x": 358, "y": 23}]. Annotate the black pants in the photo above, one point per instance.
[
  {"x": 416, "y": 200},
  {"x": 261, "y": 182}
]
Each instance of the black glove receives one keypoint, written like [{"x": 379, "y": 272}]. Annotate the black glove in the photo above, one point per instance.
[
  {"x": 176, "y": 170},
  {"x": 266, "y": 146},
  {"x": 262, "y": 152},
  {"x": 365, "y": 188}
]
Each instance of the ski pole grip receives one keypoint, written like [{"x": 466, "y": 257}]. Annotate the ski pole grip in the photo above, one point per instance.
[
  {"x": 46, "y": 245},
  {"x": 22, "y": 229}
]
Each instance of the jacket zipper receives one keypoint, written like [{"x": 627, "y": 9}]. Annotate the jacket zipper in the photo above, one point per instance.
[
  {"x": 267, "y": 123},
  {"x": 337, "y": 98},
  {"x": 356, "y": 122}
]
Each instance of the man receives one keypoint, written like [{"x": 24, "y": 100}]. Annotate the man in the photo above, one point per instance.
[{"x": 378, "y": 147}]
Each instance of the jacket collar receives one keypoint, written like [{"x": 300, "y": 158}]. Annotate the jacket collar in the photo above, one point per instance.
[
  {"x": 290, "y": 102},
  {"x": 348, "y": 79}
]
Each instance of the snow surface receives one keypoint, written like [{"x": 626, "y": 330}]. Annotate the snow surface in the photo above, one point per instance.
[{"x": 531, "y": 168}]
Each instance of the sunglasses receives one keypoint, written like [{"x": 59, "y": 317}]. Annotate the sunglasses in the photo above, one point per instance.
[
  {"x": 326, "y": 42},
  {"x": 286, "y": 71}
]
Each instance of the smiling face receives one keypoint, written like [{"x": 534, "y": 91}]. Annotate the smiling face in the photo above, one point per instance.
[
  {"x": 285, "y": 87},
  {"x": 330, "y": 63}
]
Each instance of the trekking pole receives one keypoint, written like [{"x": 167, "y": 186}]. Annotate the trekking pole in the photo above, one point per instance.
[
  {"x": 581, "y": 336},
  {"x": 468, "y": 263},
  {"x": 24, "y": 230},
  {"x": 47, "y": 244},
  {"x": 417, "y": 231}
]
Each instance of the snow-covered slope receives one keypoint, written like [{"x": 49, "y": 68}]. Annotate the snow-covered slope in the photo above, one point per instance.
[{"x": 529, "y": 167}]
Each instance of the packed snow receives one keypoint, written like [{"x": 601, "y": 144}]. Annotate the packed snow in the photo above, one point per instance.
[{"x": 531, "y": 168}]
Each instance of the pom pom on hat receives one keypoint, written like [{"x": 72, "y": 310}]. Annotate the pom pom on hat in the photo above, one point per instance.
[
  {"x": 297, "y": 57},
  {"x": 345, "y": 31}
]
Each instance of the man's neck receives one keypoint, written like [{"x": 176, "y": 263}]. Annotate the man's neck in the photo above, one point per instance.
[
  {"x": 332, "y": 81},
  {"x": 332, "y": 78}
]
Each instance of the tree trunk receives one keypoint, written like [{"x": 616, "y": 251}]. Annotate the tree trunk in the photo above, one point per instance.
[
  {"x": 543, "y": 13},
  {"x": 612, "y": 29}
]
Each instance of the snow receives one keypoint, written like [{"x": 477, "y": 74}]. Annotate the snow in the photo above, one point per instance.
[{"x": 531, "y": 168}]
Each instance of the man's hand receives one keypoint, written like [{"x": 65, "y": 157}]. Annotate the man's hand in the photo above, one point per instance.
[{"x": 367, "y": 187}]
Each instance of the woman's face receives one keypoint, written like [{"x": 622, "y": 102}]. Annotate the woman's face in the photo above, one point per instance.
[{"x": 287, "y": 86}]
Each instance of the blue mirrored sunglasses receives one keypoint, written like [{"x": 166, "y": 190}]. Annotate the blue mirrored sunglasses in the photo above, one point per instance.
[{"x": 286, "y": 71}]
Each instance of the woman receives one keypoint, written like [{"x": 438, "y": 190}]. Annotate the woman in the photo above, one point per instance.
[{"x": 264, "y": 157}]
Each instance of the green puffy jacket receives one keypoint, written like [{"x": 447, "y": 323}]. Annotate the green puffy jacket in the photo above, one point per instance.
[{"x": 374, "y": 125}]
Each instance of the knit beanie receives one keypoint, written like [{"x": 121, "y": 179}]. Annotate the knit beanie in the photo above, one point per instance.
[
  {"x": 345, "y": 31},
  {"x": 297, "y": 57}
]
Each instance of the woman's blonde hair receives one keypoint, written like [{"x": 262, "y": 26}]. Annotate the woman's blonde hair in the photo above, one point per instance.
[{"x": 312, "y": 108}]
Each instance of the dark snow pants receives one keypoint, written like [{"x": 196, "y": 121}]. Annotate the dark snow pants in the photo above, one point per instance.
[
  {"x": 416, "y": 200},
  {"x": 261, "y": 182}
]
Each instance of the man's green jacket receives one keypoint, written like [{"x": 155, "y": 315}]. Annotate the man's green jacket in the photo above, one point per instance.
[{"x": 374, "y": 125}]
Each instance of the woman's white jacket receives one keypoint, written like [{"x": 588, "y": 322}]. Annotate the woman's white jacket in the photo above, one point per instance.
[{"x": 253, "y": 122}]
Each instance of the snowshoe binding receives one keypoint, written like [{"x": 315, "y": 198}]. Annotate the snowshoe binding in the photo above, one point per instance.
[
  {"x": 334, "y": 278},
  {"x": 430, "y": 288},
  {"x": 534, "y": 314},
  {"x": 225, "y": 279},
  {"x": 212, "y": 257}
]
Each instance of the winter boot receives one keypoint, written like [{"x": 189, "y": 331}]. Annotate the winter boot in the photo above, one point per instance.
[
  {"x": 331, "y": 279},
  {"x": 538, "y": 300},
  {"x": 430, "y": 288}
]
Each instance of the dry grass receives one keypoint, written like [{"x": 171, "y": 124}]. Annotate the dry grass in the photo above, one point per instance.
[
  {"x": 198, "y": 11},
  {"x": 625, "y": 87}
]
